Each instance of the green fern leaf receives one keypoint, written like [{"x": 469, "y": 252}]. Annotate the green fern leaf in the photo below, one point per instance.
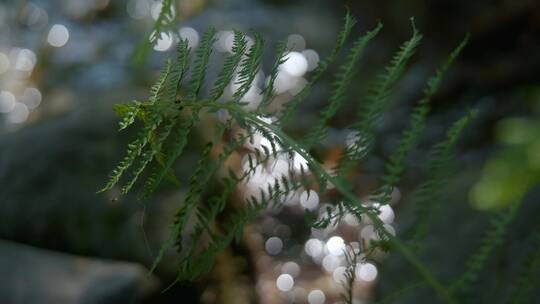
[
  {"x": 136, "y": 147},
  {"x": 291, "y": 108},
  {"x": 166, "y": 16},
  {"x": 395, "y": 165},
  {"x": 170, "y": 91},
  {"x": 229, "y": 66},
  {"x": 430, "y": 191},
  {"x": 128, "y": 113},
  {"x": 249, "y": 67},
  {"x": 527, "y": 280},
  {"x": 341, "y": 84},
  {"x": 493, "y": 238},
  {"x": 378, "y": 99},
  {"x": 200, "y": 63},
  {"x": 268, "y": 92}
]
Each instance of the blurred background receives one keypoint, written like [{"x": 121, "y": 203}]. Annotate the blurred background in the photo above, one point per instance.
[{"x": 63, "y": 64}]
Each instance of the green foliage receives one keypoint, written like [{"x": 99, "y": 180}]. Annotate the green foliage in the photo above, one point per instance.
[
  {"x": 378, "y": 99},
  {"x": 166, "y": 16},
  {"x": 351, "y": 257},
  {"x": 157, "y": 109},
  {"x": 291, "y": 108},
  {"x": 171, "y": 113},
  {"x": 268, "y": 92},
  {"x": 430, "y": 192},
  {"x": 396, "y": 164},
  {"x": 527, "y": 279},
  {"x": 492, "y": 239},
  {"x": 342, "y": 82},
  {"x": 152, "y": 121},
  {"x": 128, "y": 112},
  {"x": 249, "y": 67},
  {"x": 200, "y": 64},
  {"x": 229, "y": 66}
]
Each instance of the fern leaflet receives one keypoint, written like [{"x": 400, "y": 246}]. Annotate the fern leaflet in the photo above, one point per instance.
[
  {"x": 395, "y": 165},
  {"x": 292, "y": 106},
  {"x": 343, "y": 79},
  {"x": 439, "y": 169}
]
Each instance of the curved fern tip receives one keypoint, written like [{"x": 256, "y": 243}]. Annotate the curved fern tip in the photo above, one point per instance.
[
  {"x": 349, "y": 18},
  {"x": 413, "y": 24}
]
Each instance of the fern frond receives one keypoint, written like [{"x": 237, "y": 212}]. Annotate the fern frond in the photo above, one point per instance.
[
  {"x": 182, "y": 61},
  {"x": 170, "y": 91},
  {"x": 173, "y": 130},
  {"x": 166, "y": 16},
  {"x": 292, "y": 106},
  {"x": 281, "y": 57},
  {"x": 229, "y": 66},
  {"x": 351, "y": 258},
  {"x": 195, "y": 260},
  {"x": 431, "y": 190},
  {"x": 341, "y": 83},
  {"x": 193, "y": 265},
  {"x": 188, "y": 205},
  {"x": 378, "y": 99},
  {"x": 128, "y": 113},
  {"x": 395, "y": 165},
  {"x": 350, "y": 198},
  {"x": 178, "y": 138},
  {"x": 168, "y": 121},
  {"x": 527, "y": 280},
  {"x": 249, "y": 67},
  {"x": 147, "y": 156},
  {"x": 154, "y": 119},
  {"x": 493, "y": 238},
  {"x": 156, "y": 91},
  {"x": 167, "y": 98},
  {"x": 204, "y": 170},
  {"x": 200, "y": 63}
]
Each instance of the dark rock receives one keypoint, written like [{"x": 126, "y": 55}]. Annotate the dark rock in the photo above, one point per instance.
[{"x": 31, "y": 275}]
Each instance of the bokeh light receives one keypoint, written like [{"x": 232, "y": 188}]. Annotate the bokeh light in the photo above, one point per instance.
[
  {"x": 58, "y": 35},
  {"x": 295, "y": 42},
  {"x": 138, "y": 9},
  {"x": 189, "y": 34},
  {"x": 273, "y": 245},
  {"x": 164, "y": 42},
  {"x": 295, "y": 64},
  {"x": 7, "y": 101},
  {"x": 19, "y": 114},
  {"x": 316, "y": 296},
  {"x": 285, "y": 282},
  {"x": 335, "y": 246},
  {"x": 366, "y": 272}
]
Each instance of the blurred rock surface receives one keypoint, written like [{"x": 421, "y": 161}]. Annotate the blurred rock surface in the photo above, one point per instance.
[{"x": 31, "y": 275}]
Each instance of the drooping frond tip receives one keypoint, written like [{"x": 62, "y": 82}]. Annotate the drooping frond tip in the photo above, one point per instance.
[
  {"x": 492, "y": 239},
  {"x": 343, "y": 79},
  {"x": 153, "y": 120},
  {"x": 165, "y": 17},
  {"x": 395, "y": 165},
  {"x": 429, "y": 192},
  {"x": 377, "y": 101}
]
